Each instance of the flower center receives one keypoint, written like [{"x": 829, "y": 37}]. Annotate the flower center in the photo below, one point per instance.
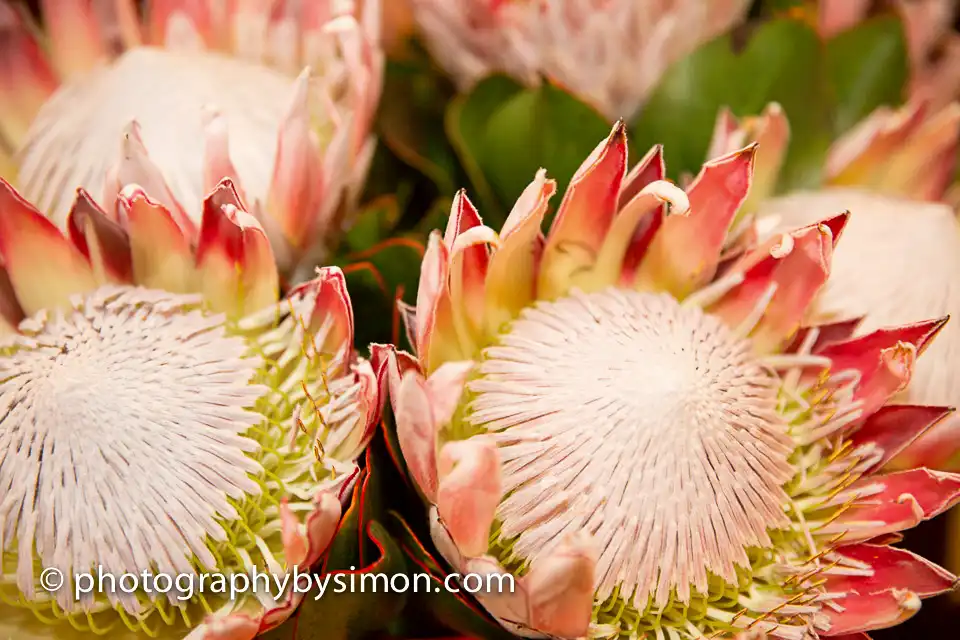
[
  {"x": 120, "y": 441},
  {"x": 649, "y": 425},
  {"x": 76, "y": 137}
]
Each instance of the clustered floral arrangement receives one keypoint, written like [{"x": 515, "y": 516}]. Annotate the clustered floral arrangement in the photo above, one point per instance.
[{"x": 639, "y": 310}]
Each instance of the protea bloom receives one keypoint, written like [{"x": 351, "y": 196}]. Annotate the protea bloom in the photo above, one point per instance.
[
  {"x": 294, "y": 84},
  {"x": 933, "y": 45},
  {"x": 143, "y": 431},
  {"x": 901, "y": 251},
  {"x": 610, "y": 53},
  {"x": 629, "y": 416}
]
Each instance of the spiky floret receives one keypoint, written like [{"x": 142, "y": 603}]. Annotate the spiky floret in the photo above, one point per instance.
[
  {"x": 186, "y": 74},
  {"x": 143, "y": 432},
  {"x": 611, "y": 53},
  {"x": 628, "y": 415}
]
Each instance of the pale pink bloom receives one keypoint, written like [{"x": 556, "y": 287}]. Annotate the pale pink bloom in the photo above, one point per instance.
[
  {"x": 164, "y": 412},
  {"x": 632, "y": 416},
  {"x": 611, "y": 53},
  {"x": 279, "y": 97}
]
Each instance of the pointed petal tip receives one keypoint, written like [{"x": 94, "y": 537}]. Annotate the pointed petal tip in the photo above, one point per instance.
[
  {"x": 936, "y": 326},
  {"x": 747, "y": 153},
  {"x": 774, "y": 108},
  {"x": 836, "y": 225}
]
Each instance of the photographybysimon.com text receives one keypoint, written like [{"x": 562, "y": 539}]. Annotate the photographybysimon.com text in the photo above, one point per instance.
[{"x": 185, "y": 586}]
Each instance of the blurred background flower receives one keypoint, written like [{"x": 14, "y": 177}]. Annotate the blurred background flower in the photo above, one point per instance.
[
  {"x": 214, "y": 90},
  {"x": 611, "y": 53}
]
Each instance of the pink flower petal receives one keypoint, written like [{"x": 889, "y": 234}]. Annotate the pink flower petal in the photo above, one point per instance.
[
  {"x": 135, "y": 167},
  {"x": 891, "y": 567},
  {"x": 584, "y": 215},
  {"x": 43, "y": 267},
  {"x": 76, "y": 37},
  {"x": 332, "y": 305},
  {"x": 877, "y": 611},
  {"x": 297, "y": 189},
  {"x": 26, "y": 79},
  {"x": 685, "y": 253},
  {"x": 237, "y": 271},
  {"x": 469, "y": 260},
  {"x": 560, "y": 588},
  {"x": 797, "y": 264},
  {"x": 512, "y": 271},
  {"x": 417, "y": 432},
  {"x": 469, "y": 492},
  {"x": 897, "y": 501},
  {"x": 102, "y": 241},
  {"x": 161, "y": 253},
  {"x": 894, "y": 427}
]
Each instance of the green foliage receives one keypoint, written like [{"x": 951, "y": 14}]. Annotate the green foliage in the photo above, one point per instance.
[
  {"x": 505, "y": 133},
  {"x": 867, "y": 68},
  {"x": 465, "y": 122},
  {"x": 409, "y": 120},
  {"x": 824, "y": 88}
]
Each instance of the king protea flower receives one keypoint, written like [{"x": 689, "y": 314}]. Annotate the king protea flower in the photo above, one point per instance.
[
  {"x": 293, "y": 85},
  {"x": 933, "y": 45},
  {"x": 610, "y": 53},
  {"x": 900, "y": 257},
  {"x": 162, "y": 411},
  {"x": 634, "y": 422}
]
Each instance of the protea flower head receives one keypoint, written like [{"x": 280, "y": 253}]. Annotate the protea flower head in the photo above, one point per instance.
[
  {"x": 610, "y": 53},
  {"x": 279, "y": 97},
  {"x": 163, "y": 412},
  {"x": 629, "y": 415},
  {"x": 900, "y": 256},
  {"x": 933, "y": 45}
]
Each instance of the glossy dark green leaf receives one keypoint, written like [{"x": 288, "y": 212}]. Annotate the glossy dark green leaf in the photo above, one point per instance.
[
  {"x": 867, "y": 67},
  {"x": 466, "y": 120},
  {"x": 372, "y": 224},
  {"x": 544, "y": 127},
  {"x": 781, "y": 62}
]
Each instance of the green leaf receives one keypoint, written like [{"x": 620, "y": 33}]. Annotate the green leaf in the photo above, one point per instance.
[
  {"x": 781, "y": 62},
  {"x": 867, "y": 67},
  {"x": 372, "y": 224},
  {"x": 543, "y": 127},
  {"x": 466, "y": 121},
  {"x": 410, "y": 123}
]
